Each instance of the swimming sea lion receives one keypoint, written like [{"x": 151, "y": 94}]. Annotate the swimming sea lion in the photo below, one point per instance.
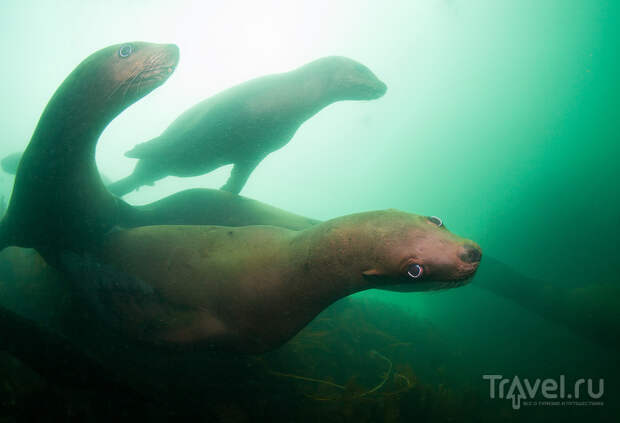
[
  {"x": 252, "y": 288},
  {"x": 203, "y": 206},
  {"x": 59, "y": 200},
  {"x": 213, "y": 207},
  {"x": 11, "y": 162},
  {"x": 245, "y": 123}
]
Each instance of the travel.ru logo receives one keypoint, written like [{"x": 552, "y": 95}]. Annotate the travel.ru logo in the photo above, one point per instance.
[{"x": 525, "y": 391}]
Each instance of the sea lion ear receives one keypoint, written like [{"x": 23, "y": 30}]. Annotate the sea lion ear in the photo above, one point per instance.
[{"x": 371, "y": 272}]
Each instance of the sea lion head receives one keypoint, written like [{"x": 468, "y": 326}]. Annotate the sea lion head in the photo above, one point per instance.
[
  {"x": 348, "y": 79},
  {"x": 117, "y": 76},
  {"x": 395, "y": 250},
  {"x": 418, "y": 253}
]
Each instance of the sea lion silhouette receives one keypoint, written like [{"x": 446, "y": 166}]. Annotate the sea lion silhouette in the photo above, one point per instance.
[{"x": 245, "y": 123}]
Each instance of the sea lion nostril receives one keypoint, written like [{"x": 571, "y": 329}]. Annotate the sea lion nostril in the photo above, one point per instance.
[{"x": 471, "y": 254}]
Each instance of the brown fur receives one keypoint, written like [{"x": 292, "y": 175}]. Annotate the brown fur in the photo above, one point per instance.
[{"x": 252, "y": 288}]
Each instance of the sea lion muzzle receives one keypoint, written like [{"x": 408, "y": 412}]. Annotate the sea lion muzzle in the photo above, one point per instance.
[{"x": 471, "y": 254}]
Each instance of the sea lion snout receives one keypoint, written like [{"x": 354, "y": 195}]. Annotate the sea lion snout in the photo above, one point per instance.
[
  {"x": 371, "y": 87},
  {"x": 470, "y": 253},
  {"x": 380, "y": 89}
]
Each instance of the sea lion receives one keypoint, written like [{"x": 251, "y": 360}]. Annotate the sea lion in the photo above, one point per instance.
[
  {"x": 11, "y": 162},
  {"x": 203, "y": 206},
  {"x": 250, "y": 289},
  {"x": 245, "y": 123},
  {"x": 59, "y": 201}
]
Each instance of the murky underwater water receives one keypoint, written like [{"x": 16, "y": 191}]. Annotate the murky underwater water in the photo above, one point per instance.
[{"x": 500, "y": 118}]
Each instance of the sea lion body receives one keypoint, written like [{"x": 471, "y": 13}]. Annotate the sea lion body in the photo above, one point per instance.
[
  {"x": 59, "y": 200},
  {"x": 250, "y": 289},
  {"x": 201, "y": 206},
  {"x": 245, "y": 123}
]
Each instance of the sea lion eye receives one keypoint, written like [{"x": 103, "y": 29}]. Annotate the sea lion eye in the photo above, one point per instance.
[
  {"x": 415, "y": 271},
  {"x": 125, "y": 50},
  {"x": 437, "y": 221}
]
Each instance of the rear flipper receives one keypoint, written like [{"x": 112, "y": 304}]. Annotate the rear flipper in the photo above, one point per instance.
[
  {"x": 143, "y": 174},
  {"x": 124, "y": 186},
  {"x": 239, "y": 176},
  {"x": 118, "y": 300}
]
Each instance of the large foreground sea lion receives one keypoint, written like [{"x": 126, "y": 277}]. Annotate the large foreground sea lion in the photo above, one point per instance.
[
  {"x": 245, "y": 123},
  {"x": 252, "y": 288},
  {"x": 59, "y": 200},
  {"x": 213, "y": 207}
]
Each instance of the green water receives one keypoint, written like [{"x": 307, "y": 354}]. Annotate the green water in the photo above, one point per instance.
[{"x": 500, "y": 117}]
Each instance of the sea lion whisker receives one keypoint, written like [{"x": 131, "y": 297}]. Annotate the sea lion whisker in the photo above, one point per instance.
[
  {"x": 122, "y": 84},
  {"x": 127, "y": 81},
  {"x": 130, "y": 81},
  {"x": 114, "y": 91}
]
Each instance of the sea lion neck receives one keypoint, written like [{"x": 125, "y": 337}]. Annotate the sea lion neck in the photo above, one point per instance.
[
  {"x": 336, "y": 253},
  {"x": 308, "y": 93},
  {"x": 98, "y": 90}
]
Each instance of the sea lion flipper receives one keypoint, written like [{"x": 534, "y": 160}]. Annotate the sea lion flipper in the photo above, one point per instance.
[
  {"x": 145, "y": 173},
  {"x": 11, "y": 162},
  {"x": 123, "y": 186},
  {"x": 239, "y": 175}
]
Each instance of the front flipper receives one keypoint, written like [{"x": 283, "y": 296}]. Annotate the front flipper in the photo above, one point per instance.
[{"x": 239, "y": 175}]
